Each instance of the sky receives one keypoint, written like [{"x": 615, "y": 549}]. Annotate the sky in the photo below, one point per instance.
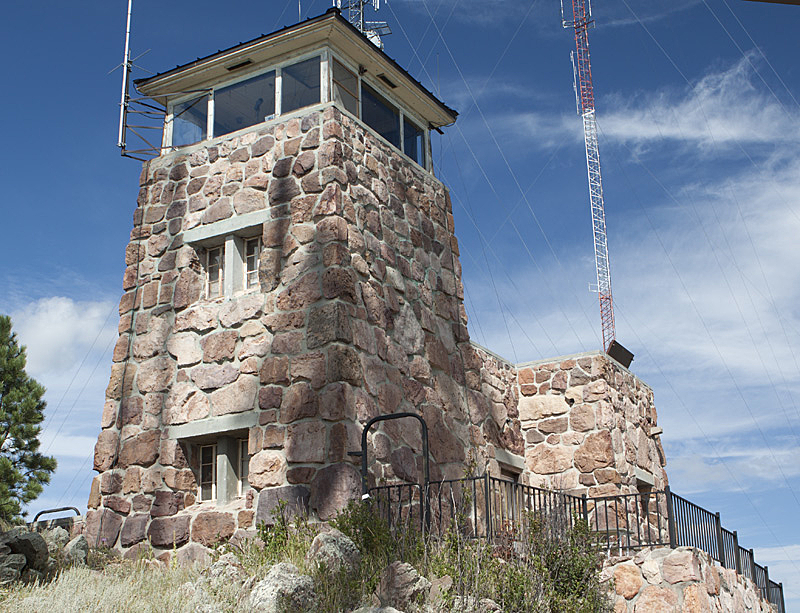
[{"x": 697, "y": 108}]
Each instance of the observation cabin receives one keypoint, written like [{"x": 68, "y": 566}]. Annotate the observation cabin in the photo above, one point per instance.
[{"x": 320, "y": 62}]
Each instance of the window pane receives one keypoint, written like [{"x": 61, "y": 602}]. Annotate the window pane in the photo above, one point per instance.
[
  {"x": 244, "y": 104},
  {"x": 252, "y": 251},
  {"x": 379, "y": 115},
  {"x": 207, "y": 455},
  {"x": 206, "y": 492},
  {"x": 413, "y": 142},
  {"x": 345, "y": 88},
  {"x": 300, "y": 85},
  {"x": 189, "y": 121},
  {"x": 214, "y": 271}
]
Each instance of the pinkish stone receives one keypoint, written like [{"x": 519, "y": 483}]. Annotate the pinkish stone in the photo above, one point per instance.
[
  {"x": 655, "y": 599},
  {"x": 544, "y": 460},
  {"x": 332, "y": 488},
  {"x": 236, "y": 397},
  {"x": 305, "y": 442},
  {"x": 595, "y": 452},
  {"x": 267, "y": 468},
  {"x": 627, "y": 580},
  {"x": 681, "y": 564},
  {"x": 219, "y": 346},
  {"x": 169, "y": 531},
  {"x": 210, "y": 528},
  {"x": 141, "y": 449}
]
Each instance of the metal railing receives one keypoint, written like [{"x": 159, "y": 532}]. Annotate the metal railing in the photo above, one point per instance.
[{"x": 486, "y": 506}]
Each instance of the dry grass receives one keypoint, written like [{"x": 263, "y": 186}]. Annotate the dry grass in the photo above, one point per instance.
[{"x": 138, "y": 587}]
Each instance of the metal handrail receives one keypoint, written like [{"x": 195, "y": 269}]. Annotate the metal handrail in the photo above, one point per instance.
[{"x": 622, "y": 523}]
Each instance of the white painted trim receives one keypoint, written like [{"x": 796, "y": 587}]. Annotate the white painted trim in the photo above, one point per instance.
[{"x": 204, "y": 236}]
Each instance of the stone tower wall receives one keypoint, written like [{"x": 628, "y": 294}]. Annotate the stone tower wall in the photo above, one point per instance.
[{"x": 358, "y": 312}]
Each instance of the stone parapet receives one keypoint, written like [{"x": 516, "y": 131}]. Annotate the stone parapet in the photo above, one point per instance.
[{"x": 685, "y": 580}]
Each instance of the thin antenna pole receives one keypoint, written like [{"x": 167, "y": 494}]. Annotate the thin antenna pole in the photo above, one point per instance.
[
  {"x": 123, "y": 103},
  {"x": 299, "y": 12}
]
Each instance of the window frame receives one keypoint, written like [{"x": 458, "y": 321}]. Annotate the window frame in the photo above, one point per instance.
[
  {"x": 242, "y": 464},
  {"x": 200, "y": 463},
  {"x": 321, "y": 53}
]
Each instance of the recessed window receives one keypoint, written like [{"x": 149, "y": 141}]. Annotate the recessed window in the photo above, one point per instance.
[
  {"x": 244, "y": 104},
  {"x": 244, "y": 467},
  {"x": 252, "y": 251},
  {"x": 300, "y": 85},
  {"x": 190, "y": 121},
  {"x": 345, "y": 87},
  {"x": 215, "y": 258},
  {"x": 207, "y": 488},
  {"x": 414, "y": 141}
]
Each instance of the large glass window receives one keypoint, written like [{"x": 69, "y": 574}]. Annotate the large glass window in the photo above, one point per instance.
[
  {"x": 244, "y": 104},
  {"x": 189, "y": 121},
  {"x": 300, "y": 85},
  {"x": 380, "y": 115},
  {"x": 345, "y": 87},
  {"x": 414, "y": 142}
]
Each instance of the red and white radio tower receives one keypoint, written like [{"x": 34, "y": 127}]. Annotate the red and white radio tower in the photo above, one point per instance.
[{"x": 584, "y": 93}]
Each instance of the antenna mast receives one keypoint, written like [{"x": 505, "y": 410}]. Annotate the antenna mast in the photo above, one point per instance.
[
  {"x": 353, "y": 10},
  {"x": 584, "y": 92}
]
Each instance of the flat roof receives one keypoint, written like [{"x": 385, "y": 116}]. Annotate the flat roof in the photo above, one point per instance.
[{"x": 329, "y": 27}]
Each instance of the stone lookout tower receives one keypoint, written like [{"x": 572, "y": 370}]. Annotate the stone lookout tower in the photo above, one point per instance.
[{"x": 293, "y": 273}]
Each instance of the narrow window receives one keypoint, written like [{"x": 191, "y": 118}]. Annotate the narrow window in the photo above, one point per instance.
[
  {"x": 380, "y": 115},
  {"x": 189, "y": 121},
  {"x": 244, "y": 104},
  {"x": 214, "y": 271},
  {"x": 208, "y": 472},
  {"x": 345, "y": 87},
  {"x": 414, "y": 142},
  {"x": 300, "y": 85},
  {"x": 252, "y": 250},
  {"x": 244, "y": 467}
]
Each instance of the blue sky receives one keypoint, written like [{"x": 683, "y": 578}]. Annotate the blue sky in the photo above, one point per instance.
[{"x": 698, "y": 113}]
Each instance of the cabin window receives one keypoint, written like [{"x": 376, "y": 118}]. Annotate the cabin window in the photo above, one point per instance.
[
  {"x": 380, "y": 115},
  {"x": 244, "y": 467},
  {"x": 345, "y": 87},
  {"x": 190, "y": 121},
  {"x": 244, "y": 104},
  {"x": 300, "y": 85},
  {"x": 413, "y": 141}
]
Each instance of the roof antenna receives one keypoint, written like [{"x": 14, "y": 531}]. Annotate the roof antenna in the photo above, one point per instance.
[
  {"x": 354, "y": 12},
  {"x": 150, "y": 116}
]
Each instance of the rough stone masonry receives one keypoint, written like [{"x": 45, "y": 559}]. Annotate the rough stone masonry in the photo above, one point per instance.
[{"x": 358, "y": 312}]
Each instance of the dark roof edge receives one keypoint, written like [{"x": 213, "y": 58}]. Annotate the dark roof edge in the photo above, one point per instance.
[{"x": 336, "y": 15}]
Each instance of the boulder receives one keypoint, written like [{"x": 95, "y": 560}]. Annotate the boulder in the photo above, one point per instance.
[
  {"x": 335, "y": 552},
  {"x": 30, "y": 544},
  {"x": 11, "y": 566},
  {"x": 227, "y": 569},
  {"x": 401, "y": 585},
  {"x": 55, "y": 538},
  {"x": 77, "y": 550},
  {"x": 283, "y": 590}
]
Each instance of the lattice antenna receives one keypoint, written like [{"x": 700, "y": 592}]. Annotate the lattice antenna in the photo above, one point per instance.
[
  {"x": 353, "y": 10},
  {"x": 584, "y": 89}
]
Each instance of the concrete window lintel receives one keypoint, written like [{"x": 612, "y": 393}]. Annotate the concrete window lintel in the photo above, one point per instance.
[
  {"x": 246, "y": 225},
  {"x": 214, "y": 425}
]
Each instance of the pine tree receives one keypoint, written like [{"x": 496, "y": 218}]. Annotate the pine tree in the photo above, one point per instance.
[{"x": 23, "y": 469}]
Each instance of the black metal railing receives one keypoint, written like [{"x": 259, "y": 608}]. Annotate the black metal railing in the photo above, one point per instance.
[{"x": 486, "y": 506}]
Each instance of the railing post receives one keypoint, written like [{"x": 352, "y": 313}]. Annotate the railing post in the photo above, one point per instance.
[
  {"x": 720, "y": 542},
  {"x": 736, "y": 556},
  {"x": 670, "y": 518},
  {"x": 488, "y": 507},
  {"x": 766, "y": 583},
  {"x": 783, "y": 605},
  {"x": 585, "y": 509}
]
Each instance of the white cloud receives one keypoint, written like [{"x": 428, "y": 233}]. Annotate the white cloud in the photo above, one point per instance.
[{"x": 58, "y": 332}]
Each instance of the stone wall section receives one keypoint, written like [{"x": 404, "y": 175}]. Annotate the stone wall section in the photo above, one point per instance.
[
  {"x": 588, "y": 425},
  {"x": 684, "y": 580}
]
